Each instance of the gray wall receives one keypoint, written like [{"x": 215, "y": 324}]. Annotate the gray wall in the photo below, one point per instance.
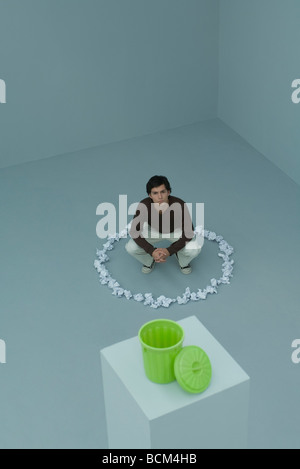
[
  {"x": 259, "y": 59},
  {"x": 81, "y": 73}
]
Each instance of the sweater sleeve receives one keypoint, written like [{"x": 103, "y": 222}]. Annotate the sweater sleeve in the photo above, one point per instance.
[
  {"x": 187, "y": 231},
  {"x": 136, "y": 230}
]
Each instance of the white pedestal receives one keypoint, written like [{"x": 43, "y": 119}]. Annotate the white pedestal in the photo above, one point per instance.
[{"x": 142, "y": 414}]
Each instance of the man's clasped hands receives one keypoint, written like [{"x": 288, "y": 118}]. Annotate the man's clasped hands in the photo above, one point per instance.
[{"x": 160, "y": 254}]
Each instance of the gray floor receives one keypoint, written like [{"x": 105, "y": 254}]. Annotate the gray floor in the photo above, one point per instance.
[{"x": 55, "y": 315}]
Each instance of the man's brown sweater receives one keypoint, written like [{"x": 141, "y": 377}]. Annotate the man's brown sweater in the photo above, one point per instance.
[{"x": 176, "y": 216}]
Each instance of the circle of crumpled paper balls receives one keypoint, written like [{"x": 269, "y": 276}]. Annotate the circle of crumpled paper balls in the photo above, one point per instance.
[{"x": 147, "y": 298}]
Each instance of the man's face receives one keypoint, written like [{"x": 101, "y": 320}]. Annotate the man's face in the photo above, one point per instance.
[{"x": 159, "y": 194}]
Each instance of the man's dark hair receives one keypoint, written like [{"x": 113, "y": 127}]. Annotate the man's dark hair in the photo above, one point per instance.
[{"x": 157, "y": 181}]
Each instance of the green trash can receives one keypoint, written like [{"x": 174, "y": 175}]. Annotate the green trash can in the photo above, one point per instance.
[
  {"x": 161, "y": 341},
  {"x": 166, "y": 360}
]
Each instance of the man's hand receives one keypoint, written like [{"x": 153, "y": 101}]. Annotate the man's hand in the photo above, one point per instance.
[{"x": 160, "y": 254}]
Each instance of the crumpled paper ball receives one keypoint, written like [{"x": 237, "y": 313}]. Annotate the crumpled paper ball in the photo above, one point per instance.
[{"x": 105, "y": 278}]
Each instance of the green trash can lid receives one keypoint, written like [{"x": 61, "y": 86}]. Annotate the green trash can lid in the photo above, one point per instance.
[{"x": 192, "y": 369}]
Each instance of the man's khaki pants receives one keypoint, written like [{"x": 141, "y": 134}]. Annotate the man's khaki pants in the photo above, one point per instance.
[{"x": 184, "y": 256}]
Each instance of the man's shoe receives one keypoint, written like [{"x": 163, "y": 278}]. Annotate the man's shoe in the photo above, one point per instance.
[
  {"x": 146, "y": 269},
  {"x": 186, "y": 270}
]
